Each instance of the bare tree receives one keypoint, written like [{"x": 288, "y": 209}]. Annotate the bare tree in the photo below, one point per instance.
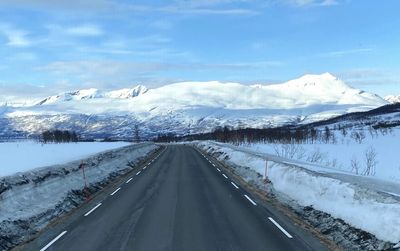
[
  {"x": 290, "y": 151},
  {"x": 370, "y": 161},
  {"x": 316, "y": 156},
  {"x": 136, "y": 133},
  {"x": 358, "y": 136},
  {"x": 343, "y": 131},
  {"x": 355, "y": 165}
]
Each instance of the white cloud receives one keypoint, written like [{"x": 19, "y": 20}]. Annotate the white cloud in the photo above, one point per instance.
[
  {"x": 329, "y": 3},
  {"x": 308, "y": 3},
  {"x": 121, "y": 71},
  {"x": 380, "y": 81},
  {"x": 342, "y": 53},
  {"x": 162, "y": 25},
  {"x": 84, "y": 30},
  {"x": 85, "y": 5},
  {"x": 15, "y": 37},
  {"x": 24, "y": 56},
  {"x": 177, "y": 7}
]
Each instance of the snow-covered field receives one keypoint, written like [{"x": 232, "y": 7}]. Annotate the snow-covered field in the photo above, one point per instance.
[
  {"x": 23, "y": 156},
  {"x": 343, "y": 155},
  {"x": 358, "y": 200}
]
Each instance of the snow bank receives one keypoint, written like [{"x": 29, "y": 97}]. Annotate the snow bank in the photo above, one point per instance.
[
  {"x": 29, "y": 200},
  {"x": 363, "y": 208},
  {"x": 26, "y": 155}
]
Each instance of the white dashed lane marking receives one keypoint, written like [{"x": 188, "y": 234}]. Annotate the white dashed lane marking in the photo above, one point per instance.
[
  {"x": 248, "y": 198},
  {"x": 115, "y": 191},
  {"x": 233, "y": 184},
  {"x": 280, "y": 228},
  {"x": 54, "y": 240}
]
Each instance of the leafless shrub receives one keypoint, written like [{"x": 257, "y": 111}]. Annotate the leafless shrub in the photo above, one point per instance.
[
  {"x": 316, "y": 156},
  {"x": 301, "y": 153},
  {"x": 290, "y": 151},
  {"x": 334, "y": 163},
  {"x": 370, "y": 161},
  {"x": 358, "y": 136},
  {"x": 131, "y": 164},
  {"x": 355, "y": 165}
]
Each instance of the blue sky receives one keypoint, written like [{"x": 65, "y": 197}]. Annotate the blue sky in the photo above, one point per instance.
[{"x": 50, "y": 46}]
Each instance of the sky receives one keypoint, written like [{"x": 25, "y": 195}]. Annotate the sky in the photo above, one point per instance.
[{"x": 49, "y": 46}]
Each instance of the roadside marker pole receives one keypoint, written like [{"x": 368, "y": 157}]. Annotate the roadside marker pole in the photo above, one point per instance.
[
  {"x": 266, "y": 176},
  {"x": 86, "y": 188}
]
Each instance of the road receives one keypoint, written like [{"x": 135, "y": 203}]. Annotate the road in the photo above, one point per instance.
[{"x": 180, "y": 201}]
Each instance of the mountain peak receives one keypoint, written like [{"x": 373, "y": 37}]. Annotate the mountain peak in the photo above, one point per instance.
[
  {"x": 325, "y": 81},
  {"x": 393, "y": 99},
  {"x": 92, "y": 93},
  {"x": 127, "y": 92}
]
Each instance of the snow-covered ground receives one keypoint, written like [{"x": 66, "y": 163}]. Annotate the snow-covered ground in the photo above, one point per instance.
[
  {"x": 30, "y": 200},
  {"x": 23, "y": 156},
  {"x": 343, "y": 155},
  {"x": 356, "y": 199}
]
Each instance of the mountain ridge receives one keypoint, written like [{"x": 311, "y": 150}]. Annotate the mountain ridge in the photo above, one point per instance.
[
  {"x": 189, "y": 107},
  {"x": 92, "y": 93}
]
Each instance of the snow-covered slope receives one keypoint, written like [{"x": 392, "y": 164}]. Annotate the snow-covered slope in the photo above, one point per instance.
[
  {"x": 94, "y": 93},
  {"x": 127, "y": 92},
  {"x": 191, "y": 107},
  {"x": 393, "y": 99}
]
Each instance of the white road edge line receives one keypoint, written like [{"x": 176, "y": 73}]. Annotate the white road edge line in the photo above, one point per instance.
[
  {"x": 248, "y": 198},
  {"x": 138, "y": 172},
  {"x": 224, "y": 176},
  {"x": 54, "y": 240},
  {"x": 233, "y": 184},
  {"x": 91, "y": 211},
  {"x": 115, "y": 191},
  {"x": 128, "y": 180},
  {"x": 219, "y": 170},
  {"x": 280, "y": 228}
]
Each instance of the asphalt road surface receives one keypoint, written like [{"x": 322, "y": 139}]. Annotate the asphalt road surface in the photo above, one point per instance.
[{"x": 179, "y": 201}]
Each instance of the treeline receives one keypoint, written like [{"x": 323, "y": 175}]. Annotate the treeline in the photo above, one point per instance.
[
  {"x": 280, "y": 135},
  {"x": 250, "y": 135},
  {"x": 59, "y": 136}
]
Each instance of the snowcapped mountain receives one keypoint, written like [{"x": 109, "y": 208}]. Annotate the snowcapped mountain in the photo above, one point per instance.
[
  {"x": 393, "y": 99},
  {"x": 127, "y": 93},
  {"x": 93, "y": 93},
  {"x": 190, "y": 107}
]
